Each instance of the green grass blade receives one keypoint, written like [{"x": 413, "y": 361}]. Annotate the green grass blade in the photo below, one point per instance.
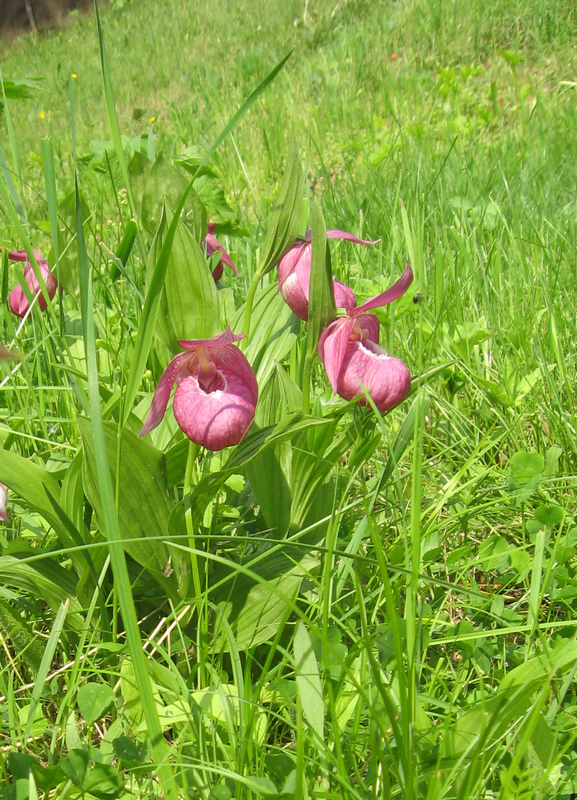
[
  {"x": 111, "y": 527},
  {"x": 150, "y": 313},
  {"x": 45, "y": 664},
  {"x": 248, "y": 103},
  {"x": 115, "y": 127}
]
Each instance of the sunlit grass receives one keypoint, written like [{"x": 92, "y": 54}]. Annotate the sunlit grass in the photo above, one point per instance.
[{"x": 437, "y": 565}]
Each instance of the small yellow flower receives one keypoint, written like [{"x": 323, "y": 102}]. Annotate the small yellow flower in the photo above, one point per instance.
[
  {"x": 74, "y": 75},
  {"x": 42, "y": 115},
  {"x": 152, "y": 119}
]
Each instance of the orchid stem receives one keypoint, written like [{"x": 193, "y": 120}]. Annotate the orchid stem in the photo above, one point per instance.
[
  {"x": 249, "y": 304},
  {"x": 192, "y": 450},
  {"x": 307, "y": 382}
]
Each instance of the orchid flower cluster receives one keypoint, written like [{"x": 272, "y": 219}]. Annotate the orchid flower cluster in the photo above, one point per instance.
[
  {"x": 349, "y": 347},
  {"x": 216, "y": 395},
  {"x": 216, "y": 389}
]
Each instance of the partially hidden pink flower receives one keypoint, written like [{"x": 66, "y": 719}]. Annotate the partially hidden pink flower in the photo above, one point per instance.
[
  {"x": 294, "y": 275},
  {"x": 212, "y": 246},
  {"x": 3, "y": 503},
  {"x": 354, "y": 362},
  {"x": 17, "y": 300},
  {"x": 216, "y": 392}
]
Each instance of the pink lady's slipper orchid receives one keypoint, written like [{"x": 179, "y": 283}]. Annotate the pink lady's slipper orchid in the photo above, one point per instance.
[
  {"x": 212, "y": 245},
  {"x": 216, "y": 395},
  {"x": 294, "y": 275},
  {"x": 354, "y": 362},
  {"x": 3, "y": 503},
  {"x": 17, "y": 300}
]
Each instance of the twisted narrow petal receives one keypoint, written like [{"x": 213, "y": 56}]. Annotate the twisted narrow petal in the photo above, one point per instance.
[
  {"x": 212, "y": 246},
  {"x": 334, "y": 233},
  {"x": 220, "y": 340},
  {"x": 162, "y": 393},
  {"x": 22, "y": 255},
  {"x": 395, "y": 291}
]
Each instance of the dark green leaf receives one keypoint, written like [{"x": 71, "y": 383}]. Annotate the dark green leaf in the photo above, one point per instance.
[
  {"x": 284, "y": 219},
  {"x": 94, "y": 700},
  {"x": 144, "y": 506},
  {"x": 256, "y": 597},
  {"x": 189, "y": 304},
  {"x": 74, "y": 766},
  {"x": 102, "y": 781},
  {"x": 165, "y": 185},
  {"x": 322, "y": 309}
]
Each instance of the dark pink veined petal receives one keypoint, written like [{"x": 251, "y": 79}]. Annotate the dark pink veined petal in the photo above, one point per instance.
[
  {"x": 231, "y": 360},
  {"x": 344, "y": 296},
  {"x": 332, "y": 347},
  {"x": 217, "y": 413},
  {"x": 220, "y": 340},
  {"x": 162, "y": 393},
  {"x": 369, "y": 325},
  {"x": 211, "y": 227},
  {"x": 18, "y": 302},
  {"x": 18, "y": 255},
  {"x": 214, "y": 419},
  {"x": 395, "y": 291}
]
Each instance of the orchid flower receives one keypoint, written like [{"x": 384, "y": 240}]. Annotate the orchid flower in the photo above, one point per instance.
[
  {"x": 354, "y": 362},
  {"x": 3, "y": 503},
  {"x": 294, "y": 275},
  {"x": 212, "y": 245},
  {"x": 216, "y": 392},
  {"x": 17, "y": 300}
]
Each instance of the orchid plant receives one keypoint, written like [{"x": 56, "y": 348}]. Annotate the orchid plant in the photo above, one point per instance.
[{"x": 198, "y": 492}]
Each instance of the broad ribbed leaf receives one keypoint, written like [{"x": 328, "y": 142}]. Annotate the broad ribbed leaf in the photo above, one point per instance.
[
  {"x": 308, "y": 681},
  {"x": 39, "y": 491},
  {"x": 189, "y": 304},
  {"x": 144, "y": 506},
  {"x": 255, "y": 443},
  {"x": 322, "y": 309},
  {"x": 269, "y": 473},
  {"x": 284, "y": 219},
  {"x": 164, "y": 184},
  {"x": 256, "y": 600},
  {"x": 274, "y": 330},
  {"x": 40, "y": 577}
]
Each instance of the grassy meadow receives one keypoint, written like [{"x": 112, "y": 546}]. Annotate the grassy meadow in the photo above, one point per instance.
[{"x": 347, "y": 604}]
